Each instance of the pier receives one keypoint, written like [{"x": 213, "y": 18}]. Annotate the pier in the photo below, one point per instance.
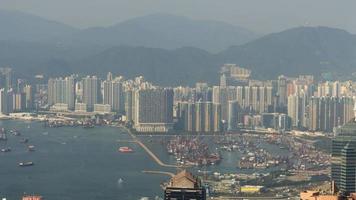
[
  {"x": 150, "y": 153},
  {"x": 158, "y": 172}
]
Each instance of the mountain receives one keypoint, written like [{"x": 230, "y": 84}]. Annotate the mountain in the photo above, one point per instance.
[
  {"x": 165, "y": 31},
  {"x": 302, "y": 50},
  {"x": 18, "y": 26},
  {"x": 168, "y": 67}
]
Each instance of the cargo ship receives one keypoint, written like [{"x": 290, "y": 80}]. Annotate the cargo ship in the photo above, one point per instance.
[
  {"x": 125, "y": 150},
  {"x": 26, "y": 164}
]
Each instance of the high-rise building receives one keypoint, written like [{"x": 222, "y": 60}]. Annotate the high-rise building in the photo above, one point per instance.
[
  {"x": 19, "y": 102},
  {"x": 232, "y": 115},
  {"x": 91, "y": 91},
  {"x": 154, "y": 110},
  {"x": 348, "y": 170},
  {"x": 282, "y": 91},
  {"x": 113, "y": 95},
  {"x": 184, "y": 186},
  {"x": 343, "y": 158},
  {"x": 62, "y": 91},
  {"x": 6, "y": 78},
  {"x": 29, "y": 96}
]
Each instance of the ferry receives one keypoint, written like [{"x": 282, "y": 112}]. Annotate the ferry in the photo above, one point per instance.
[
  {"x": 125, "y": 150},
  {"x": 26, "y": 164}
]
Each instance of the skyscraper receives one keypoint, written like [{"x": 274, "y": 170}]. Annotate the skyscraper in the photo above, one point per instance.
[
  {"x": 343, "y": 158},
  {"x": 348, "y": 170},
  {"x": 91, "y": 91}
]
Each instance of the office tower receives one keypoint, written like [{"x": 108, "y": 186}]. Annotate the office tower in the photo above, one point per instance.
[
  {"x": 62, "y": 91},
  {"x": 29, "y": 96},
  {"x": 343, "y": 157},
  {"x": 91, "y": 91},
  {"x": 348, "y": 170},
  {"x": 154, "y": 110},
  {"x": 113, "y": 95},
  {"x": 6, "y": 101},
  {"x": 184, "y": 186},
  {"x": 232, "y": 115}
]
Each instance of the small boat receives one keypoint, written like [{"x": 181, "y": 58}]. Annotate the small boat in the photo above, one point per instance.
[
  {"x": 31, "y": 148},
  {"x": 15, "y": 132},
  {"x": 4, "y": 150},
  {"x": 3, "y": 134},
  {"x": 24, "y": 140},
  {"x": 125, "y": 150},
  {"x": 88, "y": 125},
  {"x": 26, "y": 164},
  {"x": 120, "y": 181}
]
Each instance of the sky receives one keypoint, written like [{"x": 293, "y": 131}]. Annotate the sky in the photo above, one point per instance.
[{"x": 262, "y": 16}]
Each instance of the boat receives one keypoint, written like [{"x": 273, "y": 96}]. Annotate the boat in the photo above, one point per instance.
[
  {"x": 26, "y": 164},
  {"x": 3, "y": 134},
  {"x": 125, "y": 150},
  {"x": 4, "y": 150},
  {"x": 15, "y": 132},
  {"x": 120, "y": 181},
  {"x": 24, "y": 140},
  {"x": 31, "y": 148}
]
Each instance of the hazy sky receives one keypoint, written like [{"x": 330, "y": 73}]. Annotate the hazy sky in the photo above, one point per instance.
[{"x": 257, "y": 15}]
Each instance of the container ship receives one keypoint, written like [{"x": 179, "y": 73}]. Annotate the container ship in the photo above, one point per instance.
[{"x": 125, "y": 150}]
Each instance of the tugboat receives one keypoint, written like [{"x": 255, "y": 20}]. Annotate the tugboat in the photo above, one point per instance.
[
  {"x": 26, "y": 164},
  {"x": 125, "y": 150}
]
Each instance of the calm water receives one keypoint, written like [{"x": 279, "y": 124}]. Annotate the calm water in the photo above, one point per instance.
[
  {"x": 83, "y": 164},
  {"x": 75, "y": 163}
]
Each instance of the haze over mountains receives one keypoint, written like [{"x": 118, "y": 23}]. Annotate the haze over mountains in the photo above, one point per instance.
[{"x": 169, "y": 50}]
